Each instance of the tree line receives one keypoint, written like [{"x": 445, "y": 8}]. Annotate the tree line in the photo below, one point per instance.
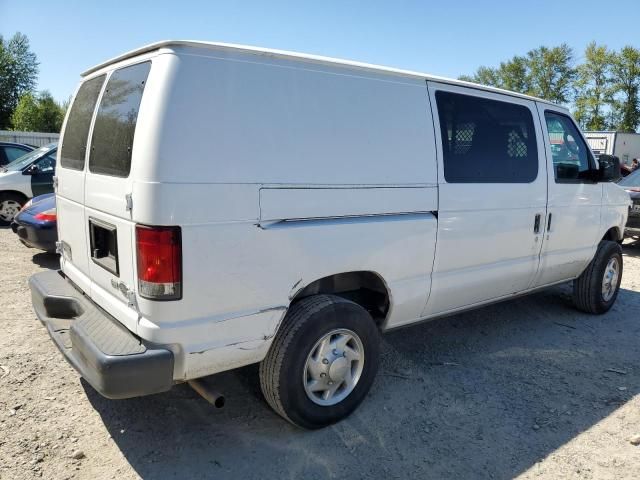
[
  {"x": 603, "y": 89},
  {"x": 21, "y": 106}
]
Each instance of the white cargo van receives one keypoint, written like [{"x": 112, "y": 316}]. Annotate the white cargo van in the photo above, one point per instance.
[{"x": 220, "y": 206}]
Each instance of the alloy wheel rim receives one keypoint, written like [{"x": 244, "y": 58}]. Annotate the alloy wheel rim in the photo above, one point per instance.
[
  {"x": 333, "y": 367},
  {"x": 8, "y": 210},
  {"x": 610, "y": 279}
]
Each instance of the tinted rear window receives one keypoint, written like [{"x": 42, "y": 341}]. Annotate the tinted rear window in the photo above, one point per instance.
[
  {"x": 74, "y": 143},
  {"x": 115, "y": 125},
  {"x": 486, "y": 141}
]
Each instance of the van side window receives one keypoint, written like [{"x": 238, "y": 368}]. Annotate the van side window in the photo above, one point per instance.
[
  {"x": 571, "y": 156},
  {"x": 112, "y": 138},
  {"x": 76, "y": 132},
  {"x": 486, "y": 141}
]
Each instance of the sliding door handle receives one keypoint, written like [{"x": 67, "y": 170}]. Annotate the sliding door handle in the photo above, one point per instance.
[
  {"x": 536, "y": 224},
  {"x": 549, "y": 222}
]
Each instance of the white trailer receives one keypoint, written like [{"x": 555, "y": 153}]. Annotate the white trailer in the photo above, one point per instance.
[{"x": 625, "y": 146}]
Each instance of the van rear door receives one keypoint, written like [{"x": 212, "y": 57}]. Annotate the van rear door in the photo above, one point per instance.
[
  {"x": 108, "y": 186},
  {"x": 70, "y": 176}
]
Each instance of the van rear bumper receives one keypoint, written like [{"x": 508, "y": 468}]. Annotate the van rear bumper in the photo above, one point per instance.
[{"x": 113, "y": 360}]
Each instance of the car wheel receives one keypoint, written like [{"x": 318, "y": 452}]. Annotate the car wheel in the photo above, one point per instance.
[
  {"x": 322, "y": 362},
  {"x": 596, "y": 290},
  {"x": 10, "y": 205}
]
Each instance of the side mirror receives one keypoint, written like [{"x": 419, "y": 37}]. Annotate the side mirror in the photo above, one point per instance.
[
  {"x": 609, "y": 168},
  {"x": 31, "y": 170}
]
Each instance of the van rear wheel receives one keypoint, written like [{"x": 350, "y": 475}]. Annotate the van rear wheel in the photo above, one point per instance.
[
  {"x": 322, "y": 361},
  {"x": 596, "y": 290}
]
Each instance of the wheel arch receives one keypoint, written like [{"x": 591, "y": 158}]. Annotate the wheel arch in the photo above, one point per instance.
[
  {"x": 14, "y": 192},
  {"x": 364, "y": 287},
  {"x": 614, "y": 234}
]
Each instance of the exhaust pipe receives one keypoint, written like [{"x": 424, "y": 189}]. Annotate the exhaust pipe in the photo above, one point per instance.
[{"x": 211, "y": 396}]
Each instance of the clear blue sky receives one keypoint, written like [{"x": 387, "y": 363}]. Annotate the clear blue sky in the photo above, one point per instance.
[{"x": 448, "y": 38}]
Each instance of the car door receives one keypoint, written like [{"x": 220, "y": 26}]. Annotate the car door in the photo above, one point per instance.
[
  {"x": 572, "y": 226},
  {"x": 42, "y": 177},
  {"x": 492, "y": 196},
  {"x": 108, "y": 187},
  {"x": 70, "y": 173}
]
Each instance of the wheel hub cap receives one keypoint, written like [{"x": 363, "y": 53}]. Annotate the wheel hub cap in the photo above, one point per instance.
[
  {"x": 338, "y": 369},
  {"x": 333, "y": 367},
  {"x": 8, "y": 210},
  {"x": 610, "y": 279}
]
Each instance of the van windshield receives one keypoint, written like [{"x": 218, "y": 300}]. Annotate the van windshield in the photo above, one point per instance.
[{"x": 27, "y": 159}]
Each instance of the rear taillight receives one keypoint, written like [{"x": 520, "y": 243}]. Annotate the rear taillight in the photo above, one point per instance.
[
  {"x": 159, "y": 251},
  {"x": 47, "y": 215}
]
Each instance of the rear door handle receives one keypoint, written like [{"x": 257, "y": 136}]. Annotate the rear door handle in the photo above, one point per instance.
[{"x": 536, "y": 224}]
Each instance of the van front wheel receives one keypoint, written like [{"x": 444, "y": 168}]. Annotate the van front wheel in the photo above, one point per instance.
[
  {"x": 322, "y": 361},
  {"x": 596, "y": 290}
]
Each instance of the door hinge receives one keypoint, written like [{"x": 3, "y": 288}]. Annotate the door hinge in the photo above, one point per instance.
[
  {"x": 55, "y": 183},
  {"x": 64, "y": 249},
  {"x": 129, "y": 201}
]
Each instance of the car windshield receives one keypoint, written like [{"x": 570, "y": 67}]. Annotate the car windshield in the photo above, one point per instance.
[
  {"x": 631, "y": 180},
  {"x": 28, "y": 158}
]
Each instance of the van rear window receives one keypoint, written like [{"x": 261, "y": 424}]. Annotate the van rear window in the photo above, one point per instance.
[
  {"x": 115, "y": 125},
  {"x": 76, "y": 132}
]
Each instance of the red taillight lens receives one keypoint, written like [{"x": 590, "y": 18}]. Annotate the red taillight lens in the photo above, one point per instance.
[
  {"x": 159, "y": 252},
  {"x": 48, "y": 215}
]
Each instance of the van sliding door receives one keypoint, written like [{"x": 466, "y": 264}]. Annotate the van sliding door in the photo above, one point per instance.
[{"x": 492, "y": 196}]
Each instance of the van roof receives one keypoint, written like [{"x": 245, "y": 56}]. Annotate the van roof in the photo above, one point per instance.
[{"x": 304, "y": 58}]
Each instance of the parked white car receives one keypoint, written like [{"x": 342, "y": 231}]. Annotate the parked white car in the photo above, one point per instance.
[
  {"x": 26, "y": 177},
  {"x": 222, "y": 205}
]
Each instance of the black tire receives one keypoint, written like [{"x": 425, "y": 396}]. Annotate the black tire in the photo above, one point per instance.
[
  {"x": 11, "y": 197},
  {"x": 587, "y": 288},
  {"x": 281, "y": 372}
]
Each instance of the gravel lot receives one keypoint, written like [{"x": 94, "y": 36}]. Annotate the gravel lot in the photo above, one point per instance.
[{"x": 528, "y": 388}]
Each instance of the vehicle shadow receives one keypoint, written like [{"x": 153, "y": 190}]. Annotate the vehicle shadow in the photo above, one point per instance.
[
  {"x": 485, "y": 394},
  {"x": 47, "y": 260},
  {"x": 631, "y": 248}
]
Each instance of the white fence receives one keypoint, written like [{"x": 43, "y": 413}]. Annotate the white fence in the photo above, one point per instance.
[{"x": 31, "y": 138}]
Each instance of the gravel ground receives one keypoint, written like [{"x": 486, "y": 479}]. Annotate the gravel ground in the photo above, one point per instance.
[{"x": 528, "y": 388}]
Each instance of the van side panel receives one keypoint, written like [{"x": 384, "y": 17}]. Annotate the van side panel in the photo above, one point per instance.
[
  {"x": 280, "y": 174},
  {"x": 239, "y": 277},
  {"x": 246, "y": 120}
]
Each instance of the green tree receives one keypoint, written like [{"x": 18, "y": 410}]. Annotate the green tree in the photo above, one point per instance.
[
  {"x": 484, "y": 76},
  {"x": 625, "y": 72},
  {"x": 38, "y": 113},
  {"x": 543, "y": 72},
  {"x": 18, "y": 74},
  {"x": 551, "y": 73},
  {"x": 514, "y": 75},
  {"x": 593, "y": 87}
]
